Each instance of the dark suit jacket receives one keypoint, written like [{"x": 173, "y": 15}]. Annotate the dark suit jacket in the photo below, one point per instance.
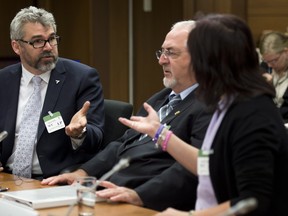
[
  {"x": 78, "y": 83},
  {"x": 284, "y": 108},
  {"x": 153, "y": 173},
  {"x": 250, "y": 157}
]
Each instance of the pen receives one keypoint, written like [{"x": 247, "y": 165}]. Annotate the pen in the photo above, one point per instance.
[{"x": 4, "y": 189}]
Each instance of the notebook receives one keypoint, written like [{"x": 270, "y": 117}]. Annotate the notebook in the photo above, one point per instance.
[
  {"x": 45, "y": 197},
  {"x": 10, "y": 208}
]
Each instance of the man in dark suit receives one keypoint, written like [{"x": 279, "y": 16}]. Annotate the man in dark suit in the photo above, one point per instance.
[
  {"x": 69, "y": 90},
  {"x": 154, "y": 179}
]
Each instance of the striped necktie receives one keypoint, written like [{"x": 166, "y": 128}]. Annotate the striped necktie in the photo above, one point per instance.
[{"x": 166, "y": 109}]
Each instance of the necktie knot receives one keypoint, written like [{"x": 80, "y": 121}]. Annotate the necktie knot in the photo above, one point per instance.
[
  {"x": 174, "y": 100},
  {"x": 165, "y": 110},
  {"x": 36, "y": 80}
]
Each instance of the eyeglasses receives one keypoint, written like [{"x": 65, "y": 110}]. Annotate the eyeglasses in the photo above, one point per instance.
[
  {"x": 273, "y": 61},
  {"x": 18, "y": 180},
  {"x": 40, "y": 43},
  {"x": 167, "y": 53}
]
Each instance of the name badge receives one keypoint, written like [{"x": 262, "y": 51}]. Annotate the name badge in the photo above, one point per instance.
[
  {"x": 53, "y": 122},
  {"x": 203, "y": 162}
]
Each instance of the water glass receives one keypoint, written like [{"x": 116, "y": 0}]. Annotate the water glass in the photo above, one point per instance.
[
  {"x": 86, "y": 201},
  {"x": 88, "y": 181}
]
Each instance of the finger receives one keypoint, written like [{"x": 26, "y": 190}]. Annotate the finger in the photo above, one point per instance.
[
  {"x": 85, "y": 108},
  {"x": 68, "y": 130},
  {"x": 150, "y": 110},
  {"x": 107, "y": 184},
  {"x": 125, "y": 121},
  {"x": 51, "y": 181},
  {"x": 107, "y": 193},
  {"x": 120, "y": 197},
  {"x": 147, "y": 107},
  {"x": 136, "y": 118},
  {"x": 46, "y": 181},
  {"x": 73, "y": 130}
]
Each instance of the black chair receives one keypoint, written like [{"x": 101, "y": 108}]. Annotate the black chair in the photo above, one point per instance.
[{"x": 113, "y": 129}]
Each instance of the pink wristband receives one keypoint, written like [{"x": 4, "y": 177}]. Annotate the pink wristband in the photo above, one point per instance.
[{"x": 165, "y": 142}]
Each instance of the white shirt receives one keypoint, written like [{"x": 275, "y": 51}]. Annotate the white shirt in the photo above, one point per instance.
[
  {"x": 25, "y": 91},
  {"x": 281, "y": 85}
]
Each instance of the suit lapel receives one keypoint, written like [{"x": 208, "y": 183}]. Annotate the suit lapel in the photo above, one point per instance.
[
  {"x": 55, "y": 84},
  {"x": 178, "y": 110},
  {"x": 157, "y": 105},
  {"x": 12, "y": 106}
]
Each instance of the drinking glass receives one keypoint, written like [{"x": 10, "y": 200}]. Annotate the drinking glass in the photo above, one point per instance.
[
  {"x": 86, "y": 201},
  {"x": 87, "y": 181},
  {"x": 86, "y": 196}
]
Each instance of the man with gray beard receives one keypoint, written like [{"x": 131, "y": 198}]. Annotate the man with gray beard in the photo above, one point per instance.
[
  {"x": 64, "y": 125},
  {"x": 154, "y": 179}
]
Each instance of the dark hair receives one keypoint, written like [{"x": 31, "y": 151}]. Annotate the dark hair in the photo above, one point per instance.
[{"x": 224, "y": 59}]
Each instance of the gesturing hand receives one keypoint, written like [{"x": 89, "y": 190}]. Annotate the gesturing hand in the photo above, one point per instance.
[
  {"x": 78, "y": 121},
  {"x": 146, "y": 125}
]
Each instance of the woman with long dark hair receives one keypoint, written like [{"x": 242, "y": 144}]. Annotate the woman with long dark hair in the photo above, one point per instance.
[{"x": 244, "y": 156}]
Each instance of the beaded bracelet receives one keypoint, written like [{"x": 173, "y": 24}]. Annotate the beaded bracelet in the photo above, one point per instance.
[
  {"x": 161, "y": 138},
  {"x": 165, "y": 142},
  {"x": 156, "y": 137},
  {"x": 158, "y": 132}
]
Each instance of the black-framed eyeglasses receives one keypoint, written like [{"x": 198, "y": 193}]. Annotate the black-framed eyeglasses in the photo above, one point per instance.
[
  {"x": 167, "y": 53},
  {"x": 40, "y": 43}
]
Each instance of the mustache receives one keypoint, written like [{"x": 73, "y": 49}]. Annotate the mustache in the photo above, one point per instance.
[{"x": 47, "y": 54}]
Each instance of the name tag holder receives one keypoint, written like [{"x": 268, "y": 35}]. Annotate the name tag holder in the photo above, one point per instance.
[
  {"x": 203, "y": 162},
  {"x": 53, "y": 122}
]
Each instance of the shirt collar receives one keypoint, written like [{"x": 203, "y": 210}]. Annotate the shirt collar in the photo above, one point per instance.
[
  {"x": 27, "y": 76},
  {"x": 187, "y": 91}
]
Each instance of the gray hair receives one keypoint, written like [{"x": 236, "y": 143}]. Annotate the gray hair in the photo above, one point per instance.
[
  {"x": 273, "y": 42},
  {"x": 186, "y": 24},
  {"x": 30, "y": 15}
]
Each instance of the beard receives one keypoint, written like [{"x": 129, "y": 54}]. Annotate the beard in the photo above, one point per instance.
[
  {"x": 45, "y": 65},
  {"x": 169, "y": 83}
]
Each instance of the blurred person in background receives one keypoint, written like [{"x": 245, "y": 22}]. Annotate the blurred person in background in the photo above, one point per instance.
[{"x": 274, "y": 50}]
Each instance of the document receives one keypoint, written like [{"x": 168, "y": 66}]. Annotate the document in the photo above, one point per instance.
[
  {"x": 45, "y": 197},
  {"x": 10, "y": 208}
]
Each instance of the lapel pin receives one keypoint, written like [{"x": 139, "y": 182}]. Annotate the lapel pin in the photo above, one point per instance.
[
  {"x": 57, "y": 81},
  {"x": 176, "y": 113}
]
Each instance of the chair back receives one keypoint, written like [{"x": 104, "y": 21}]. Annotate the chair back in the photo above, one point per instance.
[{"x": 114, "y": 129}]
